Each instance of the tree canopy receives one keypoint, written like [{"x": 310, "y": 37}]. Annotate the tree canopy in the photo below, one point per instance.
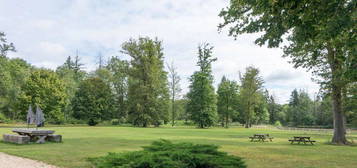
[{"x": 319, "y": 35}]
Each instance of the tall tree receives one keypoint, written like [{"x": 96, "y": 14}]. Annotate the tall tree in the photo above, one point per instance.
[
  {"x": 301, "y": 109},
  {"x": 148, "y": 88},
  {"x": 13, "y": 76},
  {"x": 174, "y": 85},
  {"x": 273, "y": 109},
  {"x": 72, "y": 74},
  {"x": 293, "y": 113},
  {"x": 250, "y": 92},
  {"x": 202, "y": 105},
  {"x": 119, "y": 70},
  {"x": 321, "y": 37},
  {"x": 226, "y": 100}
]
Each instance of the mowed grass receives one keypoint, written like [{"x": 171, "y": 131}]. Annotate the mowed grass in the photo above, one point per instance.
[{"x": 79, "y": 143}]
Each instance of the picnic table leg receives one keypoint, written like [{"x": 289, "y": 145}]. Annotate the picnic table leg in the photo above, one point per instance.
[{"x": 41, "y": 139}]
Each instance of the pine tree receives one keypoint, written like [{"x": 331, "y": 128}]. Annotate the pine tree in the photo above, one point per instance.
[{"x": 202, "y": 105}]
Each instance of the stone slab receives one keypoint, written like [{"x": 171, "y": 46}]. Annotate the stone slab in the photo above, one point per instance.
[
  {"x": 54, "y": 138},
  {"x": 32, "y": 131},
  {"x": 19, "y": 139}
]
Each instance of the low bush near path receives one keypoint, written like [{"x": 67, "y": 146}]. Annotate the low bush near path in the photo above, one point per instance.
[{"x": 163, "y": 153}]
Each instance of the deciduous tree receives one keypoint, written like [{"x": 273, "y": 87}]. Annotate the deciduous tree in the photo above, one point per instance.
[
  {"x": 202, "y": 100},
  {"x": 148, "y": 94},
  {"x": 320, "y": 36},
  {"x": 174, "y": 85},
  {"x": 93, "y": 101},
  {"x": 250, "y": 93},
  {"x": 227, "y": 97},
  {"x": 45, "y": 89}
]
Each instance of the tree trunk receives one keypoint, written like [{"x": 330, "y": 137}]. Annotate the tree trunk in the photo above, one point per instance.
[
  {"x": 339, "y": 135},
  {"x": 226, "y": 120},
  {"x": 247, "y": 118},
  {"x": 173, "y": 110}
]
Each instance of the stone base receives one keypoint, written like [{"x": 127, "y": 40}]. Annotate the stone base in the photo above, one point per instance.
[
  {"x": 54, "y": 138},
  {"x": 19, "y": 139}
]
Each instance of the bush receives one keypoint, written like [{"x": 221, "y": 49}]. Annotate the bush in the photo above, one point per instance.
[
  {"x": 75, "y": 121},
  {"x": 277, "y": 124},
  {"x": 163, "y": 154},
  {"x": 117, "y": 121},
  {"x": 92, "y": 122},
  {"x": 3, "y": 118}
]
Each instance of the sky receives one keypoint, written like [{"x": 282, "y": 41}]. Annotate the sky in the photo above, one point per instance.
[{"x": 46, "y": 32}]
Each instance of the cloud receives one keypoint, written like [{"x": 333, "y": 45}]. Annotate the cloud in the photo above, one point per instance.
[
  {"x": 282, "y": 75},
  {"x": 46, "y": 32}
]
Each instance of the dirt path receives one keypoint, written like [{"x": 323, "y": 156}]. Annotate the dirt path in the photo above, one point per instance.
[{"x": 9, "y": 161}]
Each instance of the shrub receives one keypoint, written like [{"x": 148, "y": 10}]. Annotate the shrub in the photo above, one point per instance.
[
  {"x": 164, "y": 153},
  {"x": 75, "y": 121},
  {"x": 115, "y": 122},
  {"x": 277, "y": 124},
  {"x": 92, "y": 122},
  {"x": 3, "y": 118}
]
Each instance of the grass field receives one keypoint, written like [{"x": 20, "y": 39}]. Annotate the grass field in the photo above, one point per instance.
[{"x": 83, "y": 142}]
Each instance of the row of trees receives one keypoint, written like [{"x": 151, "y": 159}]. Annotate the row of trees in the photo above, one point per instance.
[{"x": 142, "y": 93}]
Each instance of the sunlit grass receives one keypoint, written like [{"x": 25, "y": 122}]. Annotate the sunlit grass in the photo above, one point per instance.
[{"x": 83, "y": 142}]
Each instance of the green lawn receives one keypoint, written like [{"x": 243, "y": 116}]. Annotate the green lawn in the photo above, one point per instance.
[{"x": 83, "y": 142}]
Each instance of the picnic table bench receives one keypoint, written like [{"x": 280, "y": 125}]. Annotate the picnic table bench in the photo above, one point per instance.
[
  {"x": 261, "y": 137},
  {"x": 304, "y": 139}
]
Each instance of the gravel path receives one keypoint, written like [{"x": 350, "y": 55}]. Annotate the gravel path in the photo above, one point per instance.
[{"x": 9, "y": 161}]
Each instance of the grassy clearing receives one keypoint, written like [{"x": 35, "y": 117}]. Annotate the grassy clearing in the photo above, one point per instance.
[{"x": 83, "y": 142}]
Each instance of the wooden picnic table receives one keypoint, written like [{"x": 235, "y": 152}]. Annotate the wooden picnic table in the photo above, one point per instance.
[
  {"x": 303, "y": 139},
  {"x": 260, "y": 137},
  {"x": 36, "y": 135}
]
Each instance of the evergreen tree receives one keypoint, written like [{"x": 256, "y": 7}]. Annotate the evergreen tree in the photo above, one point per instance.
[
  {"x": 273, "y": 110},
  {"x": 226, "y": 100},
  {"x": 293, "y": 113},
  {"x": 72, "y": 74},
  {"x": 301, "y": 109},
  {"x": 148, "y": 94},
  {"x": 202, "y": 105},
  {"x": 250, "y": 93},
  {"x": 5, "y": 46}
]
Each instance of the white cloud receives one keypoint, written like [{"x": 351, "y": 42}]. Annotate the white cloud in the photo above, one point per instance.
[{"x": 46, "y": 32}]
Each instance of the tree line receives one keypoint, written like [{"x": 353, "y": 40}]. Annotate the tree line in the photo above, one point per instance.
[{"x": 140, "y": 92}]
